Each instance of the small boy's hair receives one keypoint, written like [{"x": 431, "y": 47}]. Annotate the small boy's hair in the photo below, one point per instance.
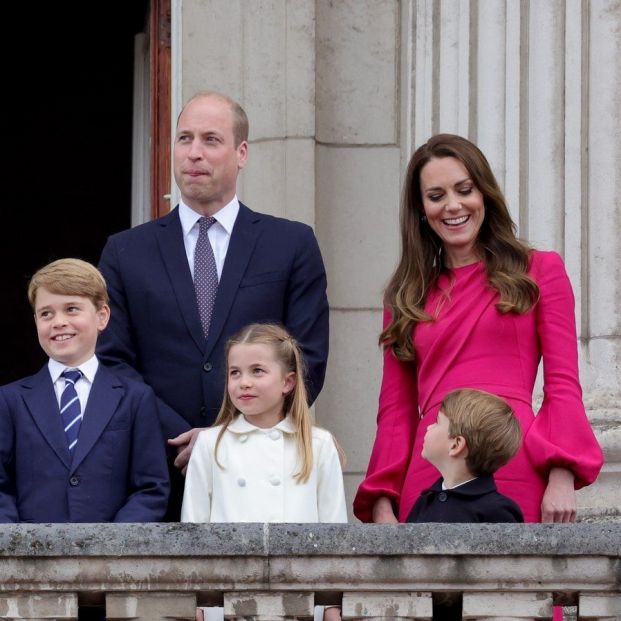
[
  {"x": 489, "y": 426},
  {"x": 70, "y": 277}
]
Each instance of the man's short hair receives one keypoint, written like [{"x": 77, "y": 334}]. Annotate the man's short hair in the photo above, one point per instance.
[
  {"x": 240, "y": 119},
  {"x": 70, "y": 277},
  {"x": 487, "y": 423}
]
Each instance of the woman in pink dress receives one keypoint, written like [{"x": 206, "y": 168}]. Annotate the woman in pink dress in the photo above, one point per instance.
[{"x": 470, "y": 306}]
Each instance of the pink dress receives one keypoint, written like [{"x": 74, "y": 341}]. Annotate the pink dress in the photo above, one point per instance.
[{"x": 472, "y": 345}]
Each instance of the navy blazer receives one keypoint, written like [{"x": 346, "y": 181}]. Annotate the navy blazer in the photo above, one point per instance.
[
  {"x": 118, "y": 472},
  {"x": 273, "y": 272},
  {"x": 475, "y": 501}
]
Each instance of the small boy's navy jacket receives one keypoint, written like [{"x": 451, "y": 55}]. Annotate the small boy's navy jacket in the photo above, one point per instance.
[
  {"x": 475, "y": 501},
  {"x": 118, "y": 472}
]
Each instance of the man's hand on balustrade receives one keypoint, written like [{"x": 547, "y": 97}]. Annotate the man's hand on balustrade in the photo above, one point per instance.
[
  {"x": 383, "y": 512},
  {"x": 559, "y": 500},
  {"x": 184, "y": 443}
]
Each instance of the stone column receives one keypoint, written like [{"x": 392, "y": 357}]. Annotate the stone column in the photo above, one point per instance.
[
  {"x": 268, "y": 606},
  {"x": 388, "y": 605},
  {"x": 507, "y": 606},
  {"x": 600, "y": 606},
  {"x": 38, "y": 607},
  {"x": 151, "y": 606}
]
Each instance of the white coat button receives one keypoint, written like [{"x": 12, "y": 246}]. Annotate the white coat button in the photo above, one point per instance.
[
  {"x": 243, "y": 438},
  {"x": 274, "y": 434},
  {"x": 241, "y": 482},
  {"x": 274, "y": 480}
]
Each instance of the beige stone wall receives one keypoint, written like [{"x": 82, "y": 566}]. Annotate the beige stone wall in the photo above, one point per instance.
[{"x": 339, "y": 93}]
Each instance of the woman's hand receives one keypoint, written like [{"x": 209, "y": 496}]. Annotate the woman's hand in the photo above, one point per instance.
[
  {"x": 559, "y": 500},
  {"x": 383, "y": 512}
]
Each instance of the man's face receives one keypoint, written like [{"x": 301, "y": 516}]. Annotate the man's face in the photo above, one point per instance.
[{"x": 206, "y": 160}]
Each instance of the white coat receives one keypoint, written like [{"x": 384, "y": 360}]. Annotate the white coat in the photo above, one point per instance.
[{"x": 255, "y": 483}]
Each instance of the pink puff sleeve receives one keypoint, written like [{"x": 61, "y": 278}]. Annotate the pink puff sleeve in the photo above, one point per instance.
[
  {"x": 397, "y": 420},
  {"x": 561, "y": 435}
]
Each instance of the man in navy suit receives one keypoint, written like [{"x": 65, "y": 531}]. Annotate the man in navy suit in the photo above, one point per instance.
[
  {"x": 268, "y": 270},
  {"x": 78, "y": 443}
]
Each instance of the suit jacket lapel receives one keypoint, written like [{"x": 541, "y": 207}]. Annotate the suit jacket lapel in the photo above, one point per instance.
[
  {"x": 103, "y": 400},
  {"x": 170, "y": 239},
  {"x": 42, "y": 403},
  {"x": 243, "y": 240}
]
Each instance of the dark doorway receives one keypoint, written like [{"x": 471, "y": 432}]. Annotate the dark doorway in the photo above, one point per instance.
[{"x": 67, "y": 156}]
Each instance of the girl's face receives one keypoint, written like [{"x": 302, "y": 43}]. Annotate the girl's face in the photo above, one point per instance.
[
  {"x": 454, "y": 207},
  {"x": 257, "y": 383}
]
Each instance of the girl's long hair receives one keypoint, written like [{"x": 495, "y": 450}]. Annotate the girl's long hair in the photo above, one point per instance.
[
  {"x": 288, "y": 355},
  {"x": 422, "y": 260}
]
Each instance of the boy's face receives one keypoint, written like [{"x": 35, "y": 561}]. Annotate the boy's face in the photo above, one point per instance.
[
  {"x": 68, "y": 326},
  {"x": 437, "y": 442}
]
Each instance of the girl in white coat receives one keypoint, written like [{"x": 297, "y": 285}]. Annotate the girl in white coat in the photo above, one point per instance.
[{"x": 263, "y": 461}]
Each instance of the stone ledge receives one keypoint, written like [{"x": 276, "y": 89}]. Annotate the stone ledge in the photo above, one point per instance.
[{"x": 291, "y": 540}]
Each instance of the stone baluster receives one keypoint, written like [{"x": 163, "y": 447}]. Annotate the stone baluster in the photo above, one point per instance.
[
  {"x": 268, "y": 606},
  {"x": 151, "y": 606},
  {"x": 37, "y": 607},
  {"x": 387, "y": 605},
  {"x": 507, "y": 606},
  {"x": 600, "y": 607}
]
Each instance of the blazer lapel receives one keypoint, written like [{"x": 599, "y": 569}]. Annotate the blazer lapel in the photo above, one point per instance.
[
  {"x": 243, "y": 240},
  {"x": 41, "y": 401},
  {"x": 103, "y": 400},
  {"x": 170, "y": 239}
]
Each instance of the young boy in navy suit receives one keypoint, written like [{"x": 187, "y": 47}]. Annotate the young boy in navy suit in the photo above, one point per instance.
[
  {"x": 78, "y": 443},
  {"x": 475, "y": 433}
]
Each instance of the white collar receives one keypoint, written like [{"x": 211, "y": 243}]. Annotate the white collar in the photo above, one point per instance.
[
  {"x": 240, "y": 425},
  {"x": 226, "y": 216},
  {"x": 88, "y": 368}
]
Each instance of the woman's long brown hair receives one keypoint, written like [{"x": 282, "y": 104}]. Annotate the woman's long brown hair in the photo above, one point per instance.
[{"x": 422, "y": 260}]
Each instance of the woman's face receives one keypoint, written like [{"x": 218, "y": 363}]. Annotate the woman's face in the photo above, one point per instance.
[{"x": 454, "y": 208}]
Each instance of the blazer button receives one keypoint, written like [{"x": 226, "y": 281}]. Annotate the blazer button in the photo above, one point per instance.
[
  {"x": 203, "y": 411},
  {"x": 207, "y": 367},
  {"x": 73, "y": 481},
  {"x": 241, "y": 482},
  {"x": 274, "y": 480},
  {"x": 442, "y": 496}
]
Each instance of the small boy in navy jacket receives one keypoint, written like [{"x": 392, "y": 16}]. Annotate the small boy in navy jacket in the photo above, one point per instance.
[
  {"x": 78, "y": 443},
  {"x": 475, "y": 433}
]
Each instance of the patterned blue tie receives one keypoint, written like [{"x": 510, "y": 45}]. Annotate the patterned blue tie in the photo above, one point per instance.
[
  {"x": 70, "y": 410},
  {"x": 205, "y": 274}
]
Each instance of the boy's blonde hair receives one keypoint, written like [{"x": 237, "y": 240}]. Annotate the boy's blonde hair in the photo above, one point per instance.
[
  {"x": 70, "y": 277},
  {"x": 289, "y": 356},
  {"x": 487, "y": 423}
]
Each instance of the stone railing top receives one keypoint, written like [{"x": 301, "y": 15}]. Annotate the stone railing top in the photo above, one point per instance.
[{"x": 345, "y": 540}]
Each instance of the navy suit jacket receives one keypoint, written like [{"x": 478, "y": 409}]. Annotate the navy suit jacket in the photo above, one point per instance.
[
  {"x": 475, "y": 501},
  {"x": 273, "y": 272},
  {"x": 118, "y": 472}
]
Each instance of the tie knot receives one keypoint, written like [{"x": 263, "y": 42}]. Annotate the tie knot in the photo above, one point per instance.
[
  {"x": 205, "y": 223},
  {"x": 72, "y": 375}
]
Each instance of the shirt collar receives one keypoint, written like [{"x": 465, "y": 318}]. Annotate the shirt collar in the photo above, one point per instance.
[
  {"x": 88, "y": 368},
  {"x": 226, "y": 216},
  {"x": 475, "y": 487},
  {"x": 240, "y": 425}
]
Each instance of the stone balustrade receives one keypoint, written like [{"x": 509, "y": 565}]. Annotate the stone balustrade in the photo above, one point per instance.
[{"x": 279, "y": 571}]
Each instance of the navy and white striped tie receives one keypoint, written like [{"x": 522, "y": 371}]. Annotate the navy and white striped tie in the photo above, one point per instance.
[{"x": 70, "y": 410}]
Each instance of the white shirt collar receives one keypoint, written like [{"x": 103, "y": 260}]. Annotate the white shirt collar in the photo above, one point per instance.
[
  {"x": 240, "y": 425},
  {"x": 88, "y": 368},
  {"x": 458, "y": 485},
  {"x": 226, "y": 216}
]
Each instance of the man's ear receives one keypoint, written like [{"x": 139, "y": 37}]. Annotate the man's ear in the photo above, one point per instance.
[{"x": 458, "y": 447}]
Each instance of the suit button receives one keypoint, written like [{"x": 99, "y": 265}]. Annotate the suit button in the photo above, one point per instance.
[
  {"x": 73, "y": 481},
  {"x": 274, "y": 480},
  {"x": 442, "y": 496},
  {"x": 207, "y": 367},
  {"x": 203, "y": 411},
  {"x": 241, "y": 482}
]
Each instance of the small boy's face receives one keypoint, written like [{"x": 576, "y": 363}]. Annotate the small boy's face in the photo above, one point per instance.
[
  {"x": 437, "y": 442},
  {"x": 68, "y": 326}
]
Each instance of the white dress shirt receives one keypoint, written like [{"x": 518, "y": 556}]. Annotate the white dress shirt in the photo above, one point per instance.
[
  {"x": 219, "y": 233},
  {"x": 83, "y": 387},
  {"x": 255, "y": 482}
]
